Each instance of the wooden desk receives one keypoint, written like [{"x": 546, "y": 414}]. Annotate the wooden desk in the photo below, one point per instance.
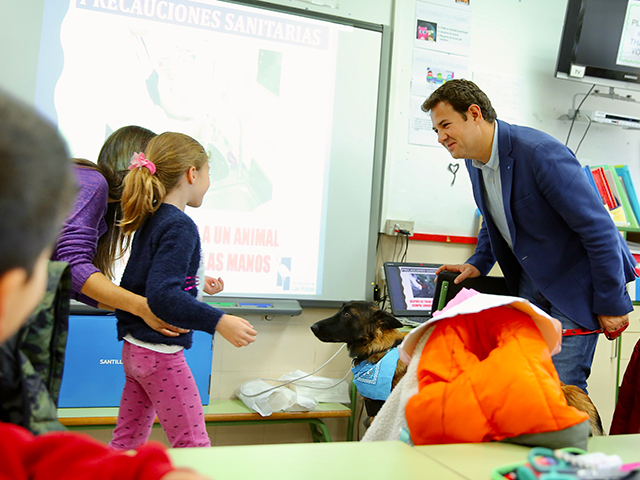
[{"x": 313, "y": 461}]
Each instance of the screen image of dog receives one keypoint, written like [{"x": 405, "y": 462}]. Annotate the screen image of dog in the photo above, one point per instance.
[{"x": 371, "y": 333}]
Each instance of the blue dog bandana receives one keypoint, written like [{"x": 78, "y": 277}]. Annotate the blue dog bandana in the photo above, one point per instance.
[{"x": 373, "y": 380}]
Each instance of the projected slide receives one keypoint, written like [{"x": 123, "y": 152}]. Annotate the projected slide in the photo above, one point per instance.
[{"x": 255, "y": 87}]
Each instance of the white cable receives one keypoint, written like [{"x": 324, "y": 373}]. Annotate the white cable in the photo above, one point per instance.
[
  {"x": 295, "y": 379},
  {"x": 307, "y": 386},
  {"x": 322, "y": 388}
]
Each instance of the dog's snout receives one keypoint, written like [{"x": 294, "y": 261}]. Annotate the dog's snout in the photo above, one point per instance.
[{"x": 314, "y": 328}]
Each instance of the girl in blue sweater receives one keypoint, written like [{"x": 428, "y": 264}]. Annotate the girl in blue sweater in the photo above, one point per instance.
[{"x": 163, "y": 267}]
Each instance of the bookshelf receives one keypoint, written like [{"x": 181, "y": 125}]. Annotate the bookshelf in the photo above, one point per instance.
[
  {"x": 614, "y": 185},
  {"x": 633, "y": 231}
]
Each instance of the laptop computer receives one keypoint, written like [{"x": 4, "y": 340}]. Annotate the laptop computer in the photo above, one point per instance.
[
  {"x": 415, "y": 292},
  {"x": 411, "y": 288}
]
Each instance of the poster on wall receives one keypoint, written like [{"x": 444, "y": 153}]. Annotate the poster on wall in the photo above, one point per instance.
[
  {"x": 443, "y": 26},
  {"x": 432, "y": 69},
  {"x": 440, "y": 54}
]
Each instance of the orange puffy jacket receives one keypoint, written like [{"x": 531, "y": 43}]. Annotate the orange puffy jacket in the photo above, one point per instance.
[{"x": 487, "y": 376}]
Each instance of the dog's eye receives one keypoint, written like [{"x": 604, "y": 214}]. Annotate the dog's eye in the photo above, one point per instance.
[{"x": 346, "y": 314}]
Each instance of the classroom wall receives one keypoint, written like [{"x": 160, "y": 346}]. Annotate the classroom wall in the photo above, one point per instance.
[{"x": 513, "y": 51}]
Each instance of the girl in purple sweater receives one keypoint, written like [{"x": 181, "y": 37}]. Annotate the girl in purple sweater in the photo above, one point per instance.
[
  {"x": 91, "y": 241},
  {"x": 163, "y": 267}
]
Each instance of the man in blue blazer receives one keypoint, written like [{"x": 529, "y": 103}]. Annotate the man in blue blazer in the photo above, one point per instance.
[{"x": 544, "y": 223}]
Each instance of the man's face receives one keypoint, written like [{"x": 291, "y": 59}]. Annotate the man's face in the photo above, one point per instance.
[
  {"x": 21, "y": 295},
  {"x": 459, "y": 136}
]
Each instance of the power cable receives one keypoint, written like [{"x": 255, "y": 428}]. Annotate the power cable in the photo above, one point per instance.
[{"x": 575, "y": 114}]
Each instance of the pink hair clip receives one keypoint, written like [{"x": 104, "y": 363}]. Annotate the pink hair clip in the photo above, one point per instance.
[{"x": 138, "y": 160}]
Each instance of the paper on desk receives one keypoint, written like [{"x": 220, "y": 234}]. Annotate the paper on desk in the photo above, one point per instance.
[{"x": 261, "y": 397}]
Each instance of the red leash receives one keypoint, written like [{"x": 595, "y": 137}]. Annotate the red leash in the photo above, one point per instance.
[
  {"x": 579, "y": 331},
  {"x": 583, "y": 331}
]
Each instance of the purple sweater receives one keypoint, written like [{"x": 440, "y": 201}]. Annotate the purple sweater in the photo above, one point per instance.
[{"x": 82, "y": 229}]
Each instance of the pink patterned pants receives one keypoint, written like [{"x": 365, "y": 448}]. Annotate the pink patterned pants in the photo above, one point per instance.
[{"x": 158, "y": 384}]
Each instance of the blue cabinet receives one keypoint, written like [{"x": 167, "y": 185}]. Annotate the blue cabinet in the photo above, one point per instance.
[{"x": 93, "y": 373}]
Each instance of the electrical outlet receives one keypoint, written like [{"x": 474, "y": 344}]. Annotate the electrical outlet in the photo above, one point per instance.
[{"x": 392, "y": 225}]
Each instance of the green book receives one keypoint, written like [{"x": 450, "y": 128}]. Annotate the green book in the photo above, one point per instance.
[{"x": 625, "y": 179}]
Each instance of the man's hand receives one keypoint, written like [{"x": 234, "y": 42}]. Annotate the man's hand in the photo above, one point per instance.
[
  {"x": 466, "y": 271},
  {"x": 613, "y": 324}
]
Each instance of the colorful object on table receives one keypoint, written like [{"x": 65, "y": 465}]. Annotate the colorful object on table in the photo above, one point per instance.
[{"x": 568, "y": 464}]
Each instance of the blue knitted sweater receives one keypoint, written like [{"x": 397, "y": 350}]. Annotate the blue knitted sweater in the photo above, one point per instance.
[{"x": 164, "y": 261}]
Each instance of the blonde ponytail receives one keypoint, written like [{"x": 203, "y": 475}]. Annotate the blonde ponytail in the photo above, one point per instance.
[
  {"x": 142, "y": 195},
  {"x": 172, "y": 154}
]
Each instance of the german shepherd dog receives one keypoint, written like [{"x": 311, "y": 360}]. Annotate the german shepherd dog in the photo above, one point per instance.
[{"x": 370, "y": 333}]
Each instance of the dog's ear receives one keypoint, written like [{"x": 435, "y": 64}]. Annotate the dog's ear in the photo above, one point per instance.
[{"x": 388, "y": 321}]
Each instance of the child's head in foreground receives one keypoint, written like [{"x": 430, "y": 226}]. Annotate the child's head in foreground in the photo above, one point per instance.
[{"x": 36, "y": 189}]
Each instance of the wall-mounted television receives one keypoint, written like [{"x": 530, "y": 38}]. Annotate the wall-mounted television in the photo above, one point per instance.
[{"x": 600, "y": 43}]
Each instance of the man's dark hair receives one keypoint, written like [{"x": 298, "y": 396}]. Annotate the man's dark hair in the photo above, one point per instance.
[
  {"x": 37, "y": 185},
  {"x": 461, "y": 94}
]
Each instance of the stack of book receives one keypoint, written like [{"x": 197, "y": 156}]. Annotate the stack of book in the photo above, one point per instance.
[{"x": 615, "y": 187}]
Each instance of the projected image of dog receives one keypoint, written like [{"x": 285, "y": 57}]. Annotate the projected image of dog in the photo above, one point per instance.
[{"x": 371, "y": 336}]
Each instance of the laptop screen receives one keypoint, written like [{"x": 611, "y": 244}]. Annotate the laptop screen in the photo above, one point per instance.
[{"x": 411, "y": 288}]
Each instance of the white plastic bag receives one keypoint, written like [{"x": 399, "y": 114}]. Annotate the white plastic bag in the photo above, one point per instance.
[
  {"x": 321, "y": 389},
  {"x": 260, "y": 396}
]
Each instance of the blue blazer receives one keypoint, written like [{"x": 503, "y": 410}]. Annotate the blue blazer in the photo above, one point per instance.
[{"x": 562, "y": 235}]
